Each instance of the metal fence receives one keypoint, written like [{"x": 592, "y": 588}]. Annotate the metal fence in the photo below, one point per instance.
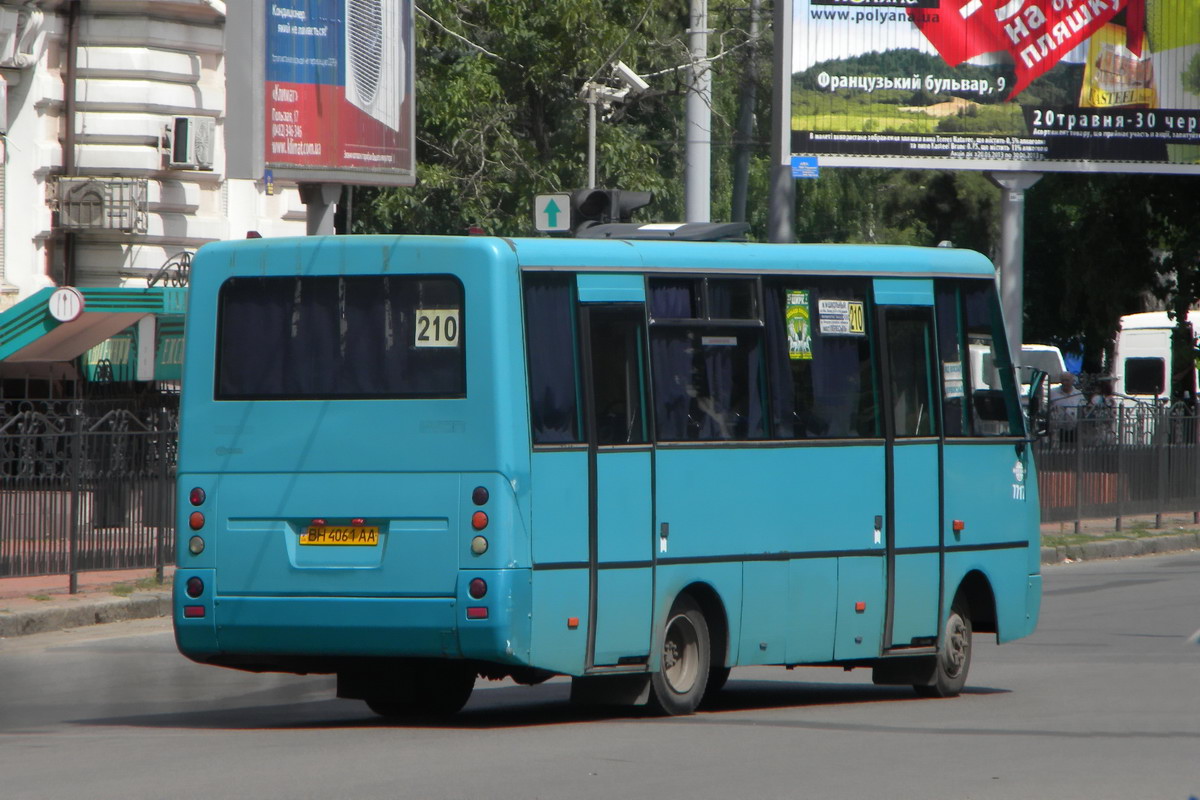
[
  {"x": 86, "y": 485},
  {"x": 1118, "y": 462}
]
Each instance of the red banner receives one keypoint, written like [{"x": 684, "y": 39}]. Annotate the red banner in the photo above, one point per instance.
[{"x": 1036, "y": 33}]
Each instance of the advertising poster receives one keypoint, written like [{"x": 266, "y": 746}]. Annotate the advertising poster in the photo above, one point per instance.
[
  {"x": 338, "y": 88},
  {"x": 998, "y": 84},
  {"x": 799, "y": 326}
]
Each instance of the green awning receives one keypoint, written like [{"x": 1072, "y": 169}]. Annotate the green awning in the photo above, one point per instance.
[{"x": 29, "y": 331}]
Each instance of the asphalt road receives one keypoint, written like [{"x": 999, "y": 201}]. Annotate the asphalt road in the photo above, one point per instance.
[{"x": 1102, "y": 702}]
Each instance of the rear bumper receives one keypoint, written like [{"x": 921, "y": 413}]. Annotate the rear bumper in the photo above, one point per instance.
[{"x": 277, "y": 632}]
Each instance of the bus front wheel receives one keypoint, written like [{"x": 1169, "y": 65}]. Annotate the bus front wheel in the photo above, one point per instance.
[
  {"x": 953, "y": 659},
  {"x": 678, "y": 686}
]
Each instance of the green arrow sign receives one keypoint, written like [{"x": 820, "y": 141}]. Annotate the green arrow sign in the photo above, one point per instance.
[{"x": 552, "y": 212}]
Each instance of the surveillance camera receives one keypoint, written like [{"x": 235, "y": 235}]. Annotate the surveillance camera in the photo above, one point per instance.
[{"x": 630, "y": 78}]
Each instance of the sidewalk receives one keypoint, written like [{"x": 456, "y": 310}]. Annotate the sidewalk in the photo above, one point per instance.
[
  {"x": 1137, "y": 537},
  {"x": 41, "y": 604},
  {"x": 38, "y": 605}
]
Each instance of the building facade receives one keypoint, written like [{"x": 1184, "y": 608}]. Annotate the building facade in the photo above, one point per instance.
[{"x": 111, "y": 128}]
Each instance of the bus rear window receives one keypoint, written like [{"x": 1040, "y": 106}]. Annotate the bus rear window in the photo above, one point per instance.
[{"x": 344, "y": 337}]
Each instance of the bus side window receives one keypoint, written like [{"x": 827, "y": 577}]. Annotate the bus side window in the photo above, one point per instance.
[
  {"x": 551, "y": 344},
  {"x": 706, "y": 359},
  {"x": 821, "y": 377},
  {"x": 978, "y": 388}
]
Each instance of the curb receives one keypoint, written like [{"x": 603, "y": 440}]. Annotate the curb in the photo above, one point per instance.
[
  {"x": 1122, "y": 548},
  {"x": 141, "y": 605}
]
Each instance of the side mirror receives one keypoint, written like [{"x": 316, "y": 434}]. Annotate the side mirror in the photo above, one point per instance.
[{"x": 1038, "y": 424}]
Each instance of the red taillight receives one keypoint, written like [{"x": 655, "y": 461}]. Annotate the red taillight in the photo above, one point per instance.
[
  {"x": 358, "y": 521},
  {"x": 477, "y": 612},
  {"x": 197, "y": 496},
  {"x": 479, "y": 520},
  {"x": 196, "y": 521},
  {"x": 317, "y": 523},
  {"x": 194, "y": 587},
  {"x": 480, "y": 495},
  {"x": 193, "y": 612},
  {"x": 477, "y": 588}
]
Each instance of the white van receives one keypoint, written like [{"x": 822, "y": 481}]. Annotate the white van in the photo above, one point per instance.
[
  {"x": 1142, "y": 357},
  {"x": 1044, "y": 357}
]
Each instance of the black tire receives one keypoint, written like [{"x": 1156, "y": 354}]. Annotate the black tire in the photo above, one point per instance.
[
  {"x": 953, "y": 660},
  {"x": 678, "y": 686},
  {"x": 717, "y": 676},
  {"x": 432, "y": 689}
]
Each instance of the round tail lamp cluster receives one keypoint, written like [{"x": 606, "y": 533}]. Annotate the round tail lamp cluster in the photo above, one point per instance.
[
  {"x": 477, "y": 588},
  {"x": 479, "y": 520},
  {"x": 196, "y": 521}
]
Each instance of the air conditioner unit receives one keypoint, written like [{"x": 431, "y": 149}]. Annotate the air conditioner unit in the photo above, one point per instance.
[
  {"x": 190, "y": 142},
  {"x": 375, "y": 62},
  {"x": 91, "y": 203}
]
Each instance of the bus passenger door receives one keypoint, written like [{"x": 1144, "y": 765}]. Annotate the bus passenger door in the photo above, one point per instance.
[
  {"x": 913, "y": 462},
  {"x": 620, "y": 510}
]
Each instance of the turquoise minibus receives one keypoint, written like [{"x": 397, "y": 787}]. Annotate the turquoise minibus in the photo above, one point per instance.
[{"x": 416, "y": 461}]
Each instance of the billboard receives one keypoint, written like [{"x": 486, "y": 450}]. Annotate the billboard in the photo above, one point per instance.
[
  {"x": 1041, "y": 85},
  {"x": 321, "y": 91}
]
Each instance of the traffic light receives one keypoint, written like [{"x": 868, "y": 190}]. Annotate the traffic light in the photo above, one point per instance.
[{"x": 590, "y": 207}]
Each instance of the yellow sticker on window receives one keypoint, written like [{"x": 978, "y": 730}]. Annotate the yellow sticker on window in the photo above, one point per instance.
[{"x": 437, "y": 327}]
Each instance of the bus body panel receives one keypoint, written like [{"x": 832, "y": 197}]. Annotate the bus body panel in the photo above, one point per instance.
[
  {"x": 818, "y": 259},
  {"x": 812, "y": 610},
  {"x": 417, "y": 554},
  {"x": 624, "y": 553},
  {"x": 560, "y": 621},
  {"x": 723, "y": 579},
  {"x": 485, "y": 431},
  {"x": 984, "y": 493},
  {"x": 916, "y": 598},
  {"x": 861, "y": 608},
  {"x": 765, "y": 622},
  {"x": 1009, "y": 582},
  {"x": 748, "y": 501},
  {"x": 623, "y": 602},
  {"x": 560, "y": 509},
  {"x": 917, "y": 539},
  {"x": 769, "y": 505}
]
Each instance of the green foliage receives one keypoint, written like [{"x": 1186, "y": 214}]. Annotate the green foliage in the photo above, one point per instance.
[
  {"x": 495, "y": 128},
  {"x": 1088, "y": 259},
  {"x": 918, "y": 207}
]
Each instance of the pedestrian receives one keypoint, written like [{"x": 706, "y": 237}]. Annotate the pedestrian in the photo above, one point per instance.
[{"x": 1065, "y": 402}]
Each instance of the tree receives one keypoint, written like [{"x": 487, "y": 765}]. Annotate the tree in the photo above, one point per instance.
[
  {"x": 1176, "y": 228},
  {"x": 499, "y": 120},
  {"x": 1088, "y": 259}
]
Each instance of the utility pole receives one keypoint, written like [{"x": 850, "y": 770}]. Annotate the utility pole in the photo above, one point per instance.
[
  {"x": 1012, "y": 253},
  {"x": 781, "y": 205},
  {"x": 745, "y": 121},
  {"x": 698, "y": 127}
]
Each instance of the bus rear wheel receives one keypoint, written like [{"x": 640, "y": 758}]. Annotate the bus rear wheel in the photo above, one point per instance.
[
  {"x": 429, "y": 689},
  {"x": 953, "y": 660},
  {"x": 678, "y": 686}
]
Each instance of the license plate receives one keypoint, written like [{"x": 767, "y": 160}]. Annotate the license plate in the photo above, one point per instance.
[{"x": 367, "y": 535}]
